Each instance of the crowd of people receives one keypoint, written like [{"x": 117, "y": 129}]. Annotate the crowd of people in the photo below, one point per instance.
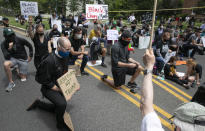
[{"x": 53, "y": 56}]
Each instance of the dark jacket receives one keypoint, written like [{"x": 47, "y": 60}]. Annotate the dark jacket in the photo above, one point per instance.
[
  {"x": 50, "y": 69},
  {"x": 18, "y": 51}
]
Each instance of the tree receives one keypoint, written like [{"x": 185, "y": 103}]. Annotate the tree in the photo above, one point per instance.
[{"x": 73, "y": 5}]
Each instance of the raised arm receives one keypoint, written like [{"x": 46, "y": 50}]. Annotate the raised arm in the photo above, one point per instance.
[{"x": 147, "y": 87}]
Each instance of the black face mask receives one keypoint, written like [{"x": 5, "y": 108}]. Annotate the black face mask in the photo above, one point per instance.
[
  {"x": 55, "y": 30},
  {"x": 40, "y": 34},
  {"x": 6, "y": 25},
  {"x": 125, "y": 43},
  {"x": 10, "y": 39}
]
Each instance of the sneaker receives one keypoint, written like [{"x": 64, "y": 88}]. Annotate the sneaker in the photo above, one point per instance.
[
  {"x": 134, "y": 90},
  {"x": 23, "y": 80},
  {"x": 10, "y": 86},
  {"x": 104, "y": 65},
  {"x": 131, "y": 85},
  {"x": 34, "y": 105},
  {"x": 84, "y": 73},
  {"x": 193, "y": 85},
  {"x": 103, "y": 77}
]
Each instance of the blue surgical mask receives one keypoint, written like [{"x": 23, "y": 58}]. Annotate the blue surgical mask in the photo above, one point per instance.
[{"x": 63, "y": 54}]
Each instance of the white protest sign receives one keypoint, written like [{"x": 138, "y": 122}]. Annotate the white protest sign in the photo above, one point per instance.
[
  {"x": 68, "y": 84},
  {"x": 144, "y": 42},
  {"x": 58, "y": 23},
  {"x": 203, "y": 41},
  {"x": 169, "y": 55},
  {"x": 29, "y": 8},
  {"x": 55, "y": 39},
  {"x": 112, "y": 35},
  {"x": 96, "y": 11}
]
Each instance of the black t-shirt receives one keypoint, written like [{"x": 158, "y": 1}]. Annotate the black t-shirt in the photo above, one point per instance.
[
  {"x": 38, "y": 19},
  {"x": 67, "y": 31},
  {"x": 54, "y": 34},
  {"x": 76, "y": 44},
  {"x": 162, "y": 47},
  {"x": 168, "y": 69},
  {"x": 18, "y": 51},
  {"x": 119, "y": 53},
  {"x": 198, "y": 70},
  {"x": 41, "y": 49}
]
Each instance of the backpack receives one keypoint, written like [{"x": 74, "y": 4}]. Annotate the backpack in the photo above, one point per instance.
[{"x": 191, "y": 112}]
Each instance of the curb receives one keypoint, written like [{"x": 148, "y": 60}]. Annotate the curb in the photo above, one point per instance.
[{"x": 17, "y": 28}]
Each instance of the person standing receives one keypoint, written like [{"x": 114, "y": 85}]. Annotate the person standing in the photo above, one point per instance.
[
  {"x": 52, "y": 68},
  {"x": 14, "y": 52}
]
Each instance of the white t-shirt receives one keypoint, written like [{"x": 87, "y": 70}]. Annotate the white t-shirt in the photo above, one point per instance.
[{"x": 151, "y": 122}]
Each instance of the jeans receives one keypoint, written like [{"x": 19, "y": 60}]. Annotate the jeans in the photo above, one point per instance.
[
  {"x": 187, "y": 47},
  {"x": 104, "y": 41},
  {"x": 160, "y": 64},
  {"x": 83, "y": 64}
]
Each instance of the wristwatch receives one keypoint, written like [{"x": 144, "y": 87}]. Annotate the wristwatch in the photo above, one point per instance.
[{"x": 146, "y": 71}]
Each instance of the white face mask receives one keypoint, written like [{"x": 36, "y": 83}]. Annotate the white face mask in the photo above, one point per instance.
[{"x": 78, "y": 36}]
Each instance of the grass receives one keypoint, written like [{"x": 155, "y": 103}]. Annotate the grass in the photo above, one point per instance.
[{"x": 14, "y": 23}]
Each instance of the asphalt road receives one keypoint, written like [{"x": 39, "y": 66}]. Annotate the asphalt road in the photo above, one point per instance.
[{"x": 96, "y": 107}]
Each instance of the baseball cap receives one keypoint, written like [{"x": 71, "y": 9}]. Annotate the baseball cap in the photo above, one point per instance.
[{"x": 8, "y": 31}]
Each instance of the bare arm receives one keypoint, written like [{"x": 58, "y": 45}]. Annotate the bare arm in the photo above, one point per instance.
[
  {"x": 75, "y": 52},
  {"x": 147, "y": 87}
]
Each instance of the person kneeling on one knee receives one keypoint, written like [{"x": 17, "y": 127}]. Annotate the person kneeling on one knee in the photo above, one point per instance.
[{"x": 122, "y": 64}]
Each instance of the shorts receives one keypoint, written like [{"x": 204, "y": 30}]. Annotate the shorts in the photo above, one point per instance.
[
  {"x": 22, "y": 65},
  {"x": 119, "y": 75}
]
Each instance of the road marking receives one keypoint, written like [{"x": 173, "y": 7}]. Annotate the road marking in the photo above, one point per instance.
[
  {"x": 156, "y": 82},
  {"x": 164, "y": 122},
  {"x": 175, "y": 88},
  {"x": 161, "y": 111}
]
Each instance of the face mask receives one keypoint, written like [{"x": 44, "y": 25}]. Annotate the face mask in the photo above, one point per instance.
[
  {"x": 125, "y": 43},
  {"x": 10, "y": 39},
  {"x": 63, "y": 54},
  {"x": 78, "y": 36},
  {"x": 55, "y": 29},
  {"x": 6, "y": 25},
  {"x": 40, "y": 34}
]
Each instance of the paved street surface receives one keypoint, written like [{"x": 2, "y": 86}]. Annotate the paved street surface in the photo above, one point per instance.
[{"x": 96, "y": 107}]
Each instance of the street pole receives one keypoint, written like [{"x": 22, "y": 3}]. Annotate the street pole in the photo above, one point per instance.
[{"x": 153, "y": 23}]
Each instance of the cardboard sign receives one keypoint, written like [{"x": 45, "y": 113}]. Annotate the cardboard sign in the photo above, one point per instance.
[
  {"x": 144, "y": 42},
  {"x": 29, "y": 8},
  {"x": 169, "y": 55},
  {"x": 96, "y": 11},
  {"x": 112, "y": 35},
  {"x": 68, "y": 84},
  {"x": 68, "y": 121},
  {"x": 58, "y": 23}
]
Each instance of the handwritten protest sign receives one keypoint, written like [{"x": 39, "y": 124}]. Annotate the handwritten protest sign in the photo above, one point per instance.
[
  {"x": 58, "y": 23},
  {"x": 29, "y": 8},
  {"x": 96, "y": 11},
  {"x": 112, "y": 35},
  {"x": 68, "y": 84},
  {"x": 144, "y": 42}
]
